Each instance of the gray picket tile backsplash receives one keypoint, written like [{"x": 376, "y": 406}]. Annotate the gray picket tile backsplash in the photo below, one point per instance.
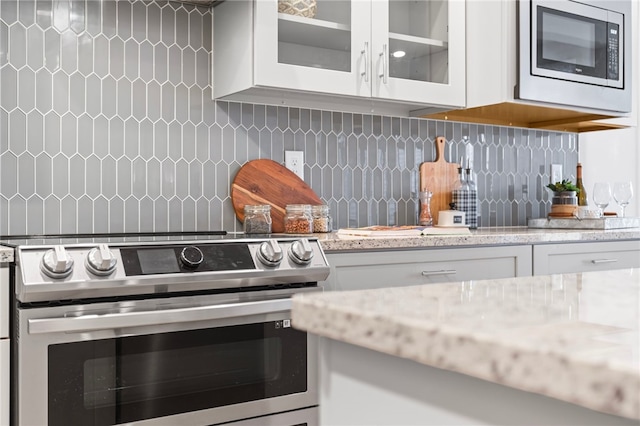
[{"x": 107, "y": 125}]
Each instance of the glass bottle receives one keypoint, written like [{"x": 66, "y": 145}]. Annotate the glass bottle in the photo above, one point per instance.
[
  {"x": 425, "y": 218},
  {"x": 257, "y": 219},
  {"x": 322, "y": 221},
  {"x": 457, "y": 185},
  {"x": 298, "y": 219},
  {"x": 457, "y": 192},
  {"x": 472, "y": 208},
  {"x": 582, "y": 193}
]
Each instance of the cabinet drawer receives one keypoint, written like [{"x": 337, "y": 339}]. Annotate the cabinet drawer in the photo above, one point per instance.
[
  {"x": 355, "y": 271},
  {"x": 585, "y": 257}
]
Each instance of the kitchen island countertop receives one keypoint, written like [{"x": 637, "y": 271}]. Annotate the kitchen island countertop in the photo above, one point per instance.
[
  {"x": 6, "y": 254},
  {"x": 572, "y": 337},
  {"x": 332, "y": 242}
]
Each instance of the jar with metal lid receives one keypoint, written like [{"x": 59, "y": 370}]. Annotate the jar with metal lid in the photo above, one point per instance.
[
  {"x": 321, "y": 219},
  {"x": 257, "y": 219},
  {"x": 298, "y": 219}
]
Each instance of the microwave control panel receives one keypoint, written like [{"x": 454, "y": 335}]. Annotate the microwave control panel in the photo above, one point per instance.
[{"x": 613, "y": 47}]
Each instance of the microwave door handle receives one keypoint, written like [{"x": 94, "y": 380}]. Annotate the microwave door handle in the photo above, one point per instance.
[{"x": 93, "y": 322}]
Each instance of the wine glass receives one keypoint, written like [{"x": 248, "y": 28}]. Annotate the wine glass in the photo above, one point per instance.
[
  {"x": 622, "y": 193},
  {"x": 602, "y": 195}
]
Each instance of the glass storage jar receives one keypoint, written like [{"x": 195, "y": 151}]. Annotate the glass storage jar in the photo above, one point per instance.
[
  {"x": 298, "y": 219},
  {"x": 321, "y": 219},
  {"x": 257, "y": 219}
]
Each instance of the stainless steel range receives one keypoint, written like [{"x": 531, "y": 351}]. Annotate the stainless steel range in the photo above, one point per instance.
[{"x": 189, "y": 330}]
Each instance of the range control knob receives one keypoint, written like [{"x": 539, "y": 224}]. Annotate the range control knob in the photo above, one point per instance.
[
  {"x": 56, "y": 263},
  {"x": 301, "y": 252},
  {"x": 101, "y": 261},
  {"x": 270, "y": 253},
  {"x": 191, "y": 257}
]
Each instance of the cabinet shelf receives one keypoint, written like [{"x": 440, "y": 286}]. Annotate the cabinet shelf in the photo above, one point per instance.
[
  {"x": 313, "y": 32},
  {"x": 416, "y": 47}
]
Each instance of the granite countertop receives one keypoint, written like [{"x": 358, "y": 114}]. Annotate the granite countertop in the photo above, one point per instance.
[
  {"x": 573, "y": 337},
  {"x": 6, "y": 254},
  {"x": 483, "y": 236}
]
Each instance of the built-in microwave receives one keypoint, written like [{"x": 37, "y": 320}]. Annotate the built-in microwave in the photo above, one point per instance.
[{"x": 575, "y": 53}]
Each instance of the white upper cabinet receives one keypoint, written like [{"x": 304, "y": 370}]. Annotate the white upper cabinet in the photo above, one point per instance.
[
  {"x": 371, "y": 53},
  {"x": 318, "y": 54}
]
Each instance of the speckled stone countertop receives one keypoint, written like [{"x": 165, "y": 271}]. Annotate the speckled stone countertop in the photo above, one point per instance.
[
  {"x": 573, "y": 337},
  {"x": 6, "y": 254},
  {"x": 484, "y": 236}
]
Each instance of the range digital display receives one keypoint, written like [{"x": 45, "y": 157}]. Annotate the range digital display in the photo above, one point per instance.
[
  {"x": 158, "y": 261},
  {"x": 166, "y": 260}
]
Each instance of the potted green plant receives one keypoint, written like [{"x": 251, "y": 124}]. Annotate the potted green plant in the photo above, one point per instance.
[
  {"x": 565, "y": 186},
  {"x": 565, "y": 198}
]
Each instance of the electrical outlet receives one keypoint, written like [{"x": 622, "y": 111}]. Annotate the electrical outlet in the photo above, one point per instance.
[
  {"x": 294, "y": 161},
  {"x": 556, "y": 173}
]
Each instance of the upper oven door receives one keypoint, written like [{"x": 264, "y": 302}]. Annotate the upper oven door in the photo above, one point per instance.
[
  {"x": 196, "y": 360},
  {"x": 576, "y": 42}
]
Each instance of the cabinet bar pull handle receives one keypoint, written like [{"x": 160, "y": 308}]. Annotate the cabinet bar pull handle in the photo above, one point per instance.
[
  {"x": 597, "y": 261},
  {"x": 365, "y": 52},
  {"x": 442, "y": 272},
  {"x": 385, "y": 70}
]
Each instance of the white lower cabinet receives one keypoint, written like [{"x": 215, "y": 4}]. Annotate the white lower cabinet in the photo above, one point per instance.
[
  {"x": 4, "y": 382},
  {"x": 4, "y": 344},
  {"x": 366, "y": 270},
  {"x": 585, "y": 257},
  {"x": 4, "y": 300}
]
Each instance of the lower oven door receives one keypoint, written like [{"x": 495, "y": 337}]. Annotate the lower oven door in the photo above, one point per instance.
[{"x": 190, "y": 361}]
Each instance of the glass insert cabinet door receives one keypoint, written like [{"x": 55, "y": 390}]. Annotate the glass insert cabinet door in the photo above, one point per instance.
[
  {"x": 418, "y": 50},
  {"x": 387, "y": 49},
  {"x": 325, "y": 51}
]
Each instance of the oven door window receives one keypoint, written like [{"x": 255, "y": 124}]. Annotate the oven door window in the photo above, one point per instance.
[
  {"x": 571, "y": 43},
  {"x": 105, "y": 382}
]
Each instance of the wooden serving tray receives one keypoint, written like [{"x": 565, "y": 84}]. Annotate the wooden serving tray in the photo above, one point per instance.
[{"x": 264, "y": 181}]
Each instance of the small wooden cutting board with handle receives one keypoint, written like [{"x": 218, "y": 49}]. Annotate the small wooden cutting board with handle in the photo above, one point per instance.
[
  {"x": 438, "y": 177},
  {"x": 266, "y": 182}
]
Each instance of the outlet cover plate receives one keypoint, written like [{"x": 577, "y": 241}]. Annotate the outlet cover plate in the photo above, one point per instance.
[
  {"x": 556, "y": 173},
  {"x": 294, "y": 161}
]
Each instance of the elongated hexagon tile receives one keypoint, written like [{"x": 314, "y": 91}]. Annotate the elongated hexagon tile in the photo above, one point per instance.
[
  {"x": 77, "y": 175},
  {"x": 26, "y": 175},
  {"x": 17, "y": 132},
  {"x": 69, "y": 52},
  {"x": 35, "y": 132}
]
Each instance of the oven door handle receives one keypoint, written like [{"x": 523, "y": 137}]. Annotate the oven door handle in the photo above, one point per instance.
[{"x": 92, "y": 322}]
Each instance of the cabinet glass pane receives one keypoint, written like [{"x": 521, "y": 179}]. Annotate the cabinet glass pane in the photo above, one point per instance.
[
  {"x": 418, "y": 40},
  {"x": 315, "y": 33}
]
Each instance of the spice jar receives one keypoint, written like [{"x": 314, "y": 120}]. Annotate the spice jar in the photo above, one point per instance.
[
  {"x": 321, "y": 220},
  {"x": 257, "y": 219},
  {"x": 298, "y": 219}
]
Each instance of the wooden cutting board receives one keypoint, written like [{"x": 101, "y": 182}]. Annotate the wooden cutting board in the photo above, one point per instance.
[
  {"x": 438, "y": 177},
  {"x": 267, "y": 182}
]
